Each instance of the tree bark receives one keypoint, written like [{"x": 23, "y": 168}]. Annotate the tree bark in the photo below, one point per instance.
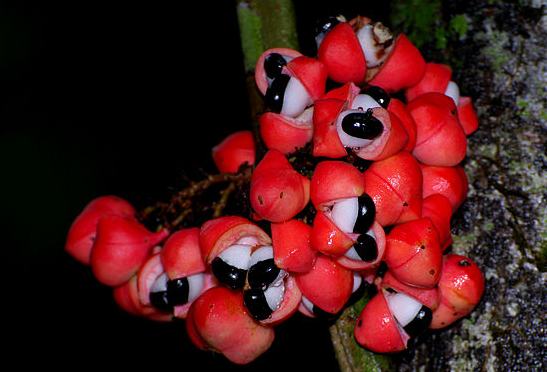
[{"x": 498, "y": 53}]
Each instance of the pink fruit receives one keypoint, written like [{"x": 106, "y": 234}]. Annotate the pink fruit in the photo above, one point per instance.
[
  {"x": 121, "y": 246},
  {"x": 83, "y": 230},
  {"x": 219, "y": 322},
  {"x": 233, "y": 151}
]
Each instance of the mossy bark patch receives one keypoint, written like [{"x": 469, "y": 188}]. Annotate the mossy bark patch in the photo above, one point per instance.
[{"x": 500, "y": 62}]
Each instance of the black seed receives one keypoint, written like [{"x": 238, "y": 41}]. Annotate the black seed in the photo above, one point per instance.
[
  {"x": 177, "y": 291},
  {"x": 160, "y": 300},
  {"x": 262, "y": 274},
  {"x": 366, "y": 247},
  {"x": 325, "y": 25},
  {"x": 464, "y": 263},
  {"x": 366, "y": 214},
  {"x": 273, "y": 65},
  {"x": 420, "y": 323},
  {"x": 378, "y": 94},
  {"x": 228, "y": 274},
  {"x": 255, "y": 302},
  {"x": 276, "y": 92},
  {"x": 362, "y": 125}
]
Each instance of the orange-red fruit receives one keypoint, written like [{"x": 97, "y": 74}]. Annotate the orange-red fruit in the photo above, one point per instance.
[
  {"x": 467, "y": 115},
  {"x": 233, "y": 151},
  {"x": 220, "y": 233},
  {"x": 461, "y": 286},
  {"x": 325, "y": 136},
  {"x": 181, "y": 254},
  {"x": 121, "y": 246},
  {"x": 327, "y": 285},
  {"x": 395, "y": 186},
  {"x": 450, "y": 182},
  {"x": 440, "y": 139},
  {"x": 83, "y": 230},
  {"x": 218, "y": 321},
  {"x": 284, "y": 133},
  {"x": 341, "y": 53},
  {"x": 438, "y": 208},
  {"x": 435, "y": 79},
  {"x": 427, "y": 296},
  {"x": 413, "y": 253},
  {"x": 403, "y": 67},
  {"x": 376, "y": 328},
  {"x": 333, "y": 180},
  {"x": 292, "y": 249},
  {"x": 278, "y": 192}
]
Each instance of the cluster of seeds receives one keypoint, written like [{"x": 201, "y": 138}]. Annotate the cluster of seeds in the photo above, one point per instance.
[{"x": 386, "y": 225}]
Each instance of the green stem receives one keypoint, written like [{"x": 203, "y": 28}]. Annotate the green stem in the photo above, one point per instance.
[{"x": 263, "y": 24}]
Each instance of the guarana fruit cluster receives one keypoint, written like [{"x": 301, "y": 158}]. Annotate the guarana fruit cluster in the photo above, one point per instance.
[{"x": 385, "y": 183}]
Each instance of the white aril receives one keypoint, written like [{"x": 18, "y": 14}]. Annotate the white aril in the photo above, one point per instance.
[
  {"x": 237, "y": 255},
  {"x": 295, "y": 99},
  {"x": 363, "y": 102},
  {"x": 453, "y": 91},
  {"x": 403, "y": 307},
  {"x": 344, "y": 213},
  {"x": 195, "y": 285},
  {"x": 372, "y": 38}
]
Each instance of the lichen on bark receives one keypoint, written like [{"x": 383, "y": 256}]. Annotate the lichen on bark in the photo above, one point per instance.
[{"x": 500, "y": 62}]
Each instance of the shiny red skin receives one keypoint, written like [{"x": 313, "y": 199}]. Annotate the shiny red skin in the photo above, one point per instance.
[
  {"x": 121, "y": 246},
  {"x": 426, "y": 296},
  {"x": 326, "y": 142},
  {"x": 399, "y": 109},
  {"x": 260, "y": 74},
  {"x": 392, "y": 139},
  {"x": 218, "y": 321},
  {"x": 467, "y": 115},
  {"x": 447, "y": 181},
  {"x": 403, "y": 67},
  {"x": 233, "y": 151},
  {"x": 435, "y": 79},
  {"x": 395, "y": 186},
  {"x": 440, "y": 139},
  {"x": 291, "y": 244},
  {"x": 83, "y": 230},
  {"x": 341, "y": 53},
  {"x": 333, "y": 180},
  {"x": 327, "y": 238},
  {"x": 126, "y": 296},
  {"x": 181, "y": 254},
  {"x": 311, "y": 72},
  {"x": 376, "y": 328},
  {"x": 284, "y": 133},
  {"x": 220, "y": 233},
  {"x": 461, "y": 286},
  {"x": 438, "y": 208},
  {"x": 358, "y": 265},
  {"x": 414, "y": 254},
  {"x": 328, "y": 285},
  {"x": 278, "y": 192}
]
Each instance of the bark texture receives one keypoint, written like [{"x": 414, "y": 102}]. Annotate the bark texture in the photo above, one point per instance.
[{"x": 498, "y": 53}]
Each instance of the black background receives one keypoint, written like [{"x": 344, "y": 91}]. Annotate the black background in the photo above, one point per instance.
[{"x": 112, "y": 98}]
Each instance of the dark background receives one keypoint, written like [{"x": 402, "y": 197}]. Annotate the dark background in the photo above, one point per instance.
[{"x": 110, "y": 98}]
